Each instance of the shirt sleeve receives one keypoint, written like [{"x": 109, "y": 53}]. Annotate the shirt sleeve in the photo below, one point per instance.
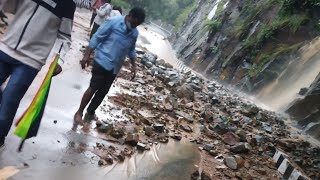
[
  {"x": 104, "y": 10},
  {"x": 104, "y": 31},
  {"x": 63, "y": 41},
  {"x": 132, "y": 52}
]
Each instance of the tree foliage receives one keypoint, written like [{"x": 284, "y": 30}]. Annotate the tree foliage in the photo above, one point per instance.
[{"x": 166, "y": 10}]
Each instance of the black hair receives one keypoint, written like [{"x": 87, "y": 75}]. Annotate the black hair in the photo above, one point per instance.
[
  {"x": 138, "y": 13},
  {"x": 118, "y": 8}
]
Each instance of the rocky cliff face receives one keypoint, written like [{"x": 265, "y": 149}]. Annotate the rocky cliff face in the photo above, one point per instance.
[
  {"x": 307, "y": 109},
  {"x": 248, "y": 43}
]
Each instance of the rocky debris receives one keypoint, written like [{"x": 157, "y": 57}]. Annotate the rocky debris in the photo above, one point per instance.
[
  {"x": 141, "y": 146},
  {"x": 177, "y": 104},
  {"x": 118, "y": 132},
  {"x": 102, "y": 162},
  {"x": 132, "y": 139},
  {"x": 148, "y": 130},
  {"x": 185, "y": 116},
  {"x": 230, "y": 138},
  {"x": 242, "y": 135},
  {"x": 186, "y": 128},
  {"x": 120, "y": 156},
  {"x": 241, "y": 148},
  {"x": 105, "y": 128},
  {"x": 176, "y": 137},
  {"x": 109, "y": 159},
  {"x": 231, "y": 162},
  {"x": 159, "y": 127},
  {"x": 208, "y": 147},
  {"x": 203, "y": 176},
  {"x": 219, "y": 128},
  {"x": 185, "y": 91}
]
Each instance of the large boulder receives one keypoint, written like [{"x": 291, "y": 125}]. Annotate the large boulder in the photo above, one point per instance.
[{"x": 185, "y": 91}]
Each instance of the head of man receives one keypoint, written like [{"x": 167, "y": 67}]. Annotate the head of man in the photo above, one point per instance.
[{"x": 135, "y": 17}]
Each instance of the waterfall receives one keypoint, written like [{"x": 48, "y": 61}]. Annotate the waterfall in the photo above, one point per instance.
[{"x": 300, "y": 73}]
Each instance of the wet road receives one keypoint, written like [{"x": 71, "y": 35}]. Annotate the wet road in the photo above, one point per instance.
[{"x": 59, "y": 153}]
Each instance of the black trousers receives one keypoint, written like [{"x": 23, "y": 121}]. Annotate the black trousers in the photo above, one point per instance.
[
  {"x": 101, "y": 82},
  {"x": 92, "y": 18},
  {"x": 94, "y": 29}
]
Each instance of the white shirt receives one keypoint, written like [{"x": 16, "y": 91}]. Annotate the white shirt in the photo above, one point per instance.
[{"x": 102, "y": 13}]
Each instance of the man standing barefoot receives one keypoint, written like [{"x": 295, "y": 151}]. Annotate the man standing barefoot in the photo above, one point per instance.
[{"x": 114, "y": 40}]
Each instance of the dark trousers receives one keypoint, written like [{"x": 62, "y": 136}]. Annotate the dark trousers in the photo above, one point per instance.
[
  {"x": 94, "y": 29},
  {"x": 92, "y": 18},
  {"x": 101, "y": 82},
  {"x": 21, "y": 77}
]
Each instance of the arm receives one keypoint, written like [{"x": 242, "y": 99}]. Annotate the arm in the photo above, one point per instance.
[
  {"x": 63, "y": 41},
  {"x": 104, "y": 10},
  {"x": 103, "y": 32},
  {"x": 132, "y": 55}
]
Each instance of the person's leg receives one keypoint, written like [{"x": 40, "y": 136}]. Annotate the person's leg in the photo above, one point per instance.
[
  {"x": 87, "y": 96},
  {"x": 94, "y": 29},
  {"x": 5, "y": 70},
  {"x": 20, "y": 80},
  {"x": 92, "y": 18},
  {"x": 101, "y": 92}
]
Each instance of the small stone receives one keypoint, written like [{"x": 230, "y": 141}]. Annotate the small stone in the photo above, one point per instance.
[
  {"x": 177, "y": 137},
  {"x": 240, "y": 161},
  {"x": 141, "y": 146},
  {"x": 109, "y": 159},
  {"x": 102, "y": 162},
  {"x": 185, "y": 116},
  {"x": 231, "y": 162},
  {"x": 215, "y": 101},
  {"x": 214, "y": 153},
  {"x": 159, "y": 127},
  {"x": 118, "y": 132},
  {"x": 121, "y": 156},
  {"x": 208, "y": 147},
  {"x": 148, "y": 130},
  {"x": 219, "y": 128},
  {"x": 132, "y": 139},
  {"x": 186, "y": 128},
  {"x": 242, "y": 135},
  {"x": 105, "y": 128},
  {"x": 230, "y": 138},
  {"x": 241, "y": 148},
  {"x": 55, "y": 121}
]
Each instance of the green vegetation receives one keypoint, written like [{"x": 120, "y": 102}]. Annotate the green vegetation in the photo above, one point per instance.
[
  {"x": 123, "y": 4},
  {"x": 275, "y": 16},
  {"x": 173, "y": 12},
  {"x": 265, "y": 58},
  {"x": 212, "y": 25},
  {"x": 183, "y": 16}
]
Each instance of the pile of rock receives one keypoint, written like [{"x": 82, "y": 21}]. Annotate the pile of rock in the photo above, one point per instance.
[{"x": 228, "y": 129}]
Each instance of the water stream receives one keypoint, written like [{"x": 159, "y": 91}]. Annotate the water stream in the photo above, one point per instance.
[{"x": 300, "y": 73}]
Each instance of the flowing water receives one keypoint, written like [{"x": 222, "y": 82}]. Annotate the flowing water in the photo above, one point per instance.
[{"x": 300, "y": 73}]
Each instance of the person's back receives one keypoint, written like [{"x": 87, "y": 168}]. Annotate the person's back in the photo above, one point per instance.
[
  {"x": 35, "y": 28},
  {"x": 25, "y": 47}
]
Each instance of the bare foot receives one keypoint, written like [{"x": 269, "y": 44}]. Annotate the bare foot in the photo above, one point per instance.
[{"x": 77, "y": 120}]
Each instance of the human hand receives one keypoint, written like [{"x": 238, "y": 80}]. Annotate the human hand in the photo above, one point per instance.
[{"x": 57, "y": 70}]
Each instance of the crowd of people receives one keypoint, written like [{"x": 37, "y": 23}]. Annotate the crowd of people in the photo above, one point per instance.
[{"x": 39, "y": 26}]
